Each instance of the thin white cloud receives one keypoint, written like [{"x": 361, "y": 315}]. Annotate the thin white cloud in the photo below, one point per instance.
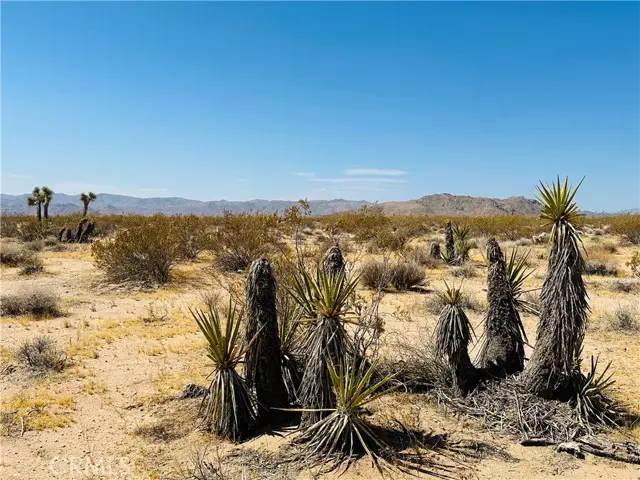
[
  {"x": 355, "y": 180},
  {"x": 16, "y": 175},
  {"x": 374, "y": 171},
  {"x": 304, "y": 174}
]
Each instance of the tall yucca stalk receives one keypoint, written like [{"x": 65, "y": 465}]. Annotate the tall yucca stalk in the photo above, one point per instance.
[
  {"x": 449, "y": 244},
  {"x": 262, "y": 360},
  {"x": 324, "y": 303},
  {"x": 564, "y": 306},
  {"x": 230, "y": 410},
  {"x": 334, "y": 439},
  {"x": 452, "y": 336},
  {"x": 502, "y": 351}
]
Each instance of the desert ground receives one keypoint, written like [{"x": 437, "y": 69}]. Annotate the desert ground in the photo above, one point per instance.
[{"x": 115, "y": 411}]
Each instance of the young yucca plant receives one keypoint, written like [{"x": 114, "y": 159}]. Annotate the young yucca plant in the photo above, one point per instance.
[
  {"x": 502, "y": 351},
  {"x": 564, "y": 306},
  {"x": 462, "y": 246},
  {"x": 230, "y": 410},
  {"x": 324, "y": 300},
  {"x": 337, "y": 438},
  {"x": 452, "y": 336},
  {"x": 517, "y": 273}
]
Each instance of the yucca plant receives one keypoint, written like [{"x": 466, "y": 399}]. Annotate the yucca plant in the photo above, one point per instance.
[
  {"x": 36, "y": 199},
  {"x": 333, "y": 260},
  {"x": 517, "y": 273},
  {"x": 262, "y": 359},
  {"x": 449, "y": 254},
  {"x": 86, "y": 199},
  {"x": 230, "y": 409},
  {"x": 462, "y": 247},
  {"x": 344, "y": 434},
  {"x": 47, "y": 196},
  {"x": 564, "y": 306},
  {"x": 502, "y": 351},
  {"x": 452, "y": 336},
  {"x": 291, "y": 364},
  {"x": 589, "y": 395},
  {"x": 324, "y": 300}
]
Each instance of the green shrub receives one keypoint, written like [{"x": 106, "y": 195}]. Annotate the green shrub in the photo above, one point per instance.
[
  {"x": 376, "y": 275},
  {"x": 144, "y": 253},
  {"x": 406, "y": 275}
]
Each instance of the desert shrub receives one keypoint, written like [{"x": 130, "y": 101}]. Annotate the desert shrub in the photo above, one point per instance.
[
  {"x": 434, "y": 304},
  {"x": 41, "y": 355},
  {"x": 376, "y": 275},
  {"x": 240, "y": 239},
  {"x": 524, "y": 242},
  {"x": 34, "y": 301},
  {"x": 593, "y": 267},
  {"x": 421, "y": 256},
  {"x": 190, "y": 234},
  {"x": 405, "y": 275},
  {"x": 622, "y": 286},
  {"x": 610, "y": 247},
  {"x": 464, "y": 271},
  {"x": 634, "y": 264},
  {"x": 33, "y": 264},
  {"x": 623, "y": 319},
  {"x": 144, "y": 253},
  {"x": 14, "y": 255},
  {"x": 35, "y": 245}
]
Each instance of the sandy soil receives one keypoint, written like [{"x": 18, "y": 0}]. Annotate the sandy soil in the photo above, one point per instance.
[{"x": 133, "y": 351}]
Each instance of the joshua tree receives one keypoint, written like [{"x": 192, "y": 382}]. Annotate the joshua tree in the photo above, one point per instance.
[
  {"x": 86, "y": 199},
  {"x": 263, "y": 357},
  {"x": 452, "y": 336},
  {"x": 47, "y": 196},
  {"x": 502, "y": 351},
  {"x": 230, "y": 409},
  {"x": 333, "y": 261},
  {"x": 35, "y": 200},
  {"x": 564, "y": 306},
  {"x": 449, "y": 243},
  {"x": 324, "y": 301}
]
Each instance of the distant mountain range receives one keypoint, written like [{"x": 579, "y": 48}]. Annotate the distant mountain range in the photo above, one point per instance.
[{"x": 442, "y": 204}]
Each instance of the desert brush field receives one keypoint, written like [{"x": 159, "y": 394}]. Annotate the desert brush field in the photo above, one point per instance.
[{"x": 377, "y": 325}]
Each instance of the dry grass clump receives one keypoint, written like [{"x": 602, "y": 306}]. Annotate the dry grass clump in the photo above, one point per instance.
[
  {"x": 41, "y": 355},
  {"x": 593, "y": 267},
  {"x": 376, "y": 275},
  {"x": 32, "y": 301},
  {"x": 145, "y": 253},
  {"x": 623, "y": 319},
  {"x": 623, "y": 286},
  {"x": 464, "y": 271},
  {"x": 421, "y": 257},
  {"x": 15, "y": 255}
]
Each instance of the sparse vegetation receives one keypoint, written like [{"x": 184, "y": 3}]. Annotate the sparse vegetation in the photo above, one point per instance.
[
  {"x": 406, "y": 275},
  {"x": 37, "y": 302},
  {"x": 624, "y": 318},
  {"x": 599, "y": 268},
  {"x": 41, "y": 355}
]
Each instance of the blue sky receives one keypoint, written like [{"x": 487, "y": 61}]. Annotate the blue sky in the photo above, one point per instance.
[{"x": 376, "y": 101}]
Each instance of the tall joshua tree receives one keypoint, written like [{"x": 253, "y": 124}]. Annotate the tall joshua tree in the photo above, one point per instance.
[
  {"x": 263, "y": 357},
  {"x": 564, "y": 306},
  {"x": 86, "y": 199},
  {"x": 502, "y": 351},
  {"x": 35, "y": 200},
  {"x": 452, "y": 337},
  {"x": 333, "y": 261},
  {"x": 47, "y": 196}
]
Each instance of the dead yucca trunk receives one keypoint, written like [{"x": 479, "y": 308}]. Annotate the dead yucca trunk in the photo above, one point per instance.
[
  {"x": 564, "y": 305},
  {"x": 434, "y": 250},
  {"x": 333, "y": 261},
  {"x": 502, "y": 351},
  {"x": 80, "y": 229},
  {"x": 263, "y": 357},
  {"x": 86, "y": 232},
  {"x": 68, "y": 235},
  {"x": 449, "y": 242},
  {"x": 61, "y": 234}
]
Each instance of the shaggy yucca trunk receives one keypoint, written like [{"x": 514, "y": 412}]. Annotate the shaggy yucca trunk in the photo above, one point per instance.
[
  {"x": 564, "y": 309},
  {"x": 449, "y": 243},
  {"x": 263, "y": 357},
  {"x": 68, "y": 235},
  {"x": 39, "y": 211},
  {"x": 326, "y": 345},
  {"x": 564, "y": 302},
  {"x": 502, "y": 352},
  {"x": 333, "y": 261},
  {"x": 61, "y": 234},
  {"x": 86, "y": 232},
  {"x": 434, "y": 250},
  {"x": 80, "y": 229}
]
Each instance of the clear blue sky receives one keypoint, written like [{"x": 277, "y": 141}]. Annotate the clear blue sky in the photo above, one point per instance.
[{"x": 376, "y": 101}]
